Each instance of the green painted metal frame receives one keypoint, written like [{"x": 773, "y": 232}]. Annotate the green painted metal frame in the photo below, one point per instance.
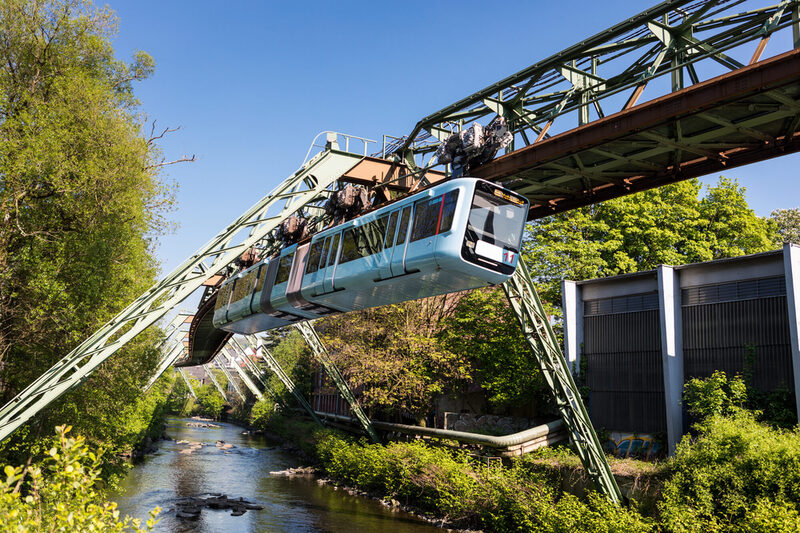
[
  {"x": 254, "y": 390},
  {"x": 276, "y": 368},
  {"x": 210, "y": 373},
  {"x": 188, "y": 383},
  {"x": 611, "y": 70},
  {"x": 255, "y": 371},
  {"x": 231, "y": 380},
  {"x": 321, "y": 354},
  {"x": 171, "y": 348},
  {"x": 542, "y": 341},
  {"x": 306, "y": 189}
]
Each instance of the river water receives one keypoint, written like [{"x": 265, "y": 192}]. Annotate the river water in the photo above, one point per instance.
[{"x": 296, "y": 504}]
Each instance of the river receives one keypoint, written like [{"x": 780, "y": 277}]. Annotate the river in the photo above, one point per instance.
[{"x": 296, "y": 504}]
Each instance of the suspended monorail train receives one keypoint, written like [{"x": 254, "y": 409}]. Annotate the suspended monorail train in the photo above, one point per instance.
[{"x": 462, "y": 234}]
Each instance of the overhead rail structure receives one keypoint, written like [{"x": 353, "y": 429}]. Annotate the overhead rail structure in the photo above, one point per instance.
[{"x": 677, "y": 91}]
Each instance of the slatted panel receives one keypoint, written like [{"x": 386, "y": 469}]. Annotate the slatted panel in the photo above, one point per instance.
[
  {"x": 715, "y": 337},
  {"x": 624, "y": 372}
]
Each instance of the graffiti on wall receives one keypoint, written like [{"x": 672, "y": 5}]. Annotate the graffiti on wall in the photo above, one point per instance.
[{"x": 633, "y": 445}]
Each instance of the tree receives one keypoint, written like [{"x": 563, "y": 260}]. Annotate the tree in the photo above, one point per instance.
[
  {"x": 392, "y": 355},
  {"x": 788, "y": 222},
  {"x": 668, "y": 225},
  {"x": 81, "y": 199}
]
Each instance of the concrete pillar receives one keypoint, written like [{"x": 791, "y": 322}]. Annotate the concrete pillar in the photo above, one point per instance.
[
  {"x": 791, "y": 268},
  {"x": 572, "y": 304},
  {"x": 669, "y": 306}
]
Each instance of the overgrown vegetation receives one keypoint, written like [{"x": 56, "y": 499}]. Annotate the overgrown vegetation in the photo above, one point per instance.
[{"x": 61, "y": 493}]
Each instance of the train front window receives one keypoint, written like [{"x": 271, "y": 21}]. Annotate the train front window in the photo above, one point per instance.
[{"x": 496, "y": 220}]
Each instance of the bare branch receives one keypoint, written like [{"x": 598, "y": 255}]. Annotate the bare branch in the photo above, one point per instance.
[{"x": 164, "y": 163}]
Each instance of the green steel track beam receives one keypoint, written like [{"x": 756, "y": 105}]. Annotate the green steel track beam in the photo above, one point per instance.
[
  {"x": 276, "y": 368},
  {"x": 255, "y": 371},
  {"x": 174, "y": 350},
  {"x": 210, "y": 373},
  {"x": 243, "y": 375},
  {"x": 611, "y": 70},
  {"x": 321, "y": 354},
  {"x": 231, "y": 380},
  {"x": 539, "y": 335},
  {"x": 306, "y": 188},
  {"x": 188, "y": 383}
]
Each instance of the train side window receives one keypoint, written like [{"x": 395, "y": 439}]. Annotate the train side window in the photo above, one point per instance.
[
  {"x": 262, "y": 275},
  {"x": 390, "y": 230},
  {"x": 349, "y": 246},
  {"x": 313, "y": 257},
  {"x": 325, "y": 250},
  {"x": 334, "y": 249},
  {"x": 448, "y": 211},
  {"x": 403, "y": 229},
  {"x": 426, "y": 218},
  {"x": 284, "y": 269},
  {"x": 373, "y": 234},
  {"x": 222, "y": 296}
]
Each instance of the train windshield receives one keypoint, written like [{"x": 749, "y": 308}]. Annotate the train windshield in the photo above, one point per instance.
[{"x": 496, "y": 218}]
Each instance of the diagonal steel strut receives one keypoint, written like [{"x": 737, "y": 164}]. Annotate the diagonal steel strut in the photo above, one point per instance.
[
  {"x": 539, "y": 334},
  {"x": 321, "y": 354},
  {"x": 306, "y": 185}
]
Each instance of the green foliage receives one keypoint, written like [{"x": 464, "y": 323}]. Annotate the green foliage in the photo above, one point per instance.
[
  {"x": 262, "y": 414},
  {"x": 452, "y": 485},
  {"x": 81, "y": 201},
  {"x": 716, "y": 395},
  {"x": 209, "y": 401},
  {"x": 667, "y": 225},
  {"x": 60, "y": 493},
  {"x": 788, "y": 222},
  {"x": 294, "y": 356},
  {"x": 484, "y": 329},
  {"x": 737, "y": 475},
  {"x": 392, "y": 355}
]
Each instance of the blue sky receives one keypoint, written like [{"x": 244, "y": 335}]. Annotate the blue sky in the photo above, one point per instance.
[{"x": 251, "y": 84}]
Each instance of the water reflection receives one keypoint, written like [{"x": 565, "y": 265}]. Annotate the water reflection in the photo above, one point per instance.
[{"x": 290, "y": 504}]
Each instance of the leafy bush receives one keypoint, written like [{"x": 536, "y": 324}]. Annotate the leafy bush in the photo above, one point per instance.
[
  {"x": 737, "y": 474},
  {"x": 450, "y": 484},
  {"x": 60, "y": 493},
  {"x": 716, "y": 395}
]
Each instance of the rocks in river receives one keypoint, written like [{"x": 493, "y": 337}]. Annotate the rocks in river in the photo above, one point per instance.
[
  {"x": 191, "y": 507},
  {"x": 201, "y": 425},
  {"x": 223, "y": 446},
  {"x": 292, "y": 472}
]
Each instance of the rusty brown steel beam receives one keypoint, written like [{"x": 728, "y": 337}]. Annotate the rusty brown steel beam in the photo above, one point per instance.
[{"x": 759, "y": 78}]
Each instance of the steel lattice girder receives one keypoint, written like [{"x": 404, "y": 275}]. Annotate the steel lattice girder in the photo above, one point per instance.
[
  {"x": 321, "y": 354},
  {"x": 188, "y": 383},
  {"x": 210, "y": 373},
  {"x": 304, "y": 188},
  {"x": 242, "y": 374},
  {"x": 611, "y": 70},
  {"x": 231, "y": 380},
  {"x": 276, "y": 368},
  {"x": 745, "y": 116},
  {"x": 539, "y": 335}
]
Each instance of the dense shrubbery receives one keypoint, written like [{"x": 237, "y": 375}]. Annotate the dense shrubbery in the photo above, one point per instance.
[
  {"x": 60, "y": 493},
  {"x": 461, "y": 490}
]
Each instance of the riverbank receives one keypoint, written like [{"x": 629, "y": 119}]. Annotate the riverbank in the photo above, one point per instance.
[
  {"x": 734, "y": 474},
  {"x": 170, "y": 478}
]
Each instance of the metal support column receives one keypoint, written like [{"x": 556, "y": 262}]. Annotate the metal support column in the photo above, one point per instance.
[
  {"x": 536, "y": 328},
  {"x": 231, "y": 380},
  {"x": 242, "y": 374},
  {"x": 255, "y": 371},
  {"x": 321, "y": 353},
  {"x": 210, "y": 373},
  {"x": 273, "y": 365},
  {"x": 188, "y": 383}
]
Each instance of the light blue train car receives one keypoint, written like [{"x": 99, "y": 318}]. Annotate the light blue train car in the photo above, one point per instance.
[{"x": 462, "y": 234}]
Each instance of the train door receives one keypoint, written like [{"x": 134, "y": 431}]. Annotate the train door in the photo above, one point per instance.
[
  {"x": 398, "y": 251},
  {"x": 328, "y": 269},
  {"x": 385, "y": 259},
  {"x": 422, "y": 237},
  {"x": 315, "y": 281}
]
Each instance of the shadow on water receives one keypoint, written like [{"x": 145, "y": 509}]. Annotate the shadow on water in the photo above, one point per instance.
[{"x": 297, "y": 504}]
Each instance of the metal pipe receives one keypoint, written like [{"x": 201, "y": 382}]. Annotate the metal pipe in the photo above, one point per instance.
[{"x": 492, "y": 441}]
